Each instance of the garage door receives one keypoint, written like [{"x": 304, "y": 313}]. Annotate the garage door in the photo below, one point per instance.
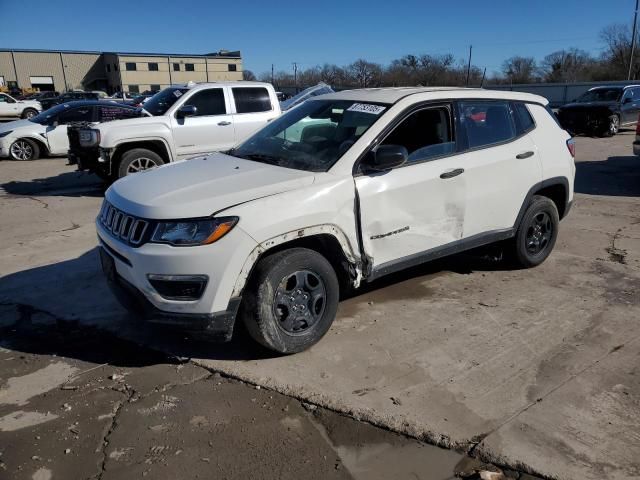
[{"x": 42, "y": 83}]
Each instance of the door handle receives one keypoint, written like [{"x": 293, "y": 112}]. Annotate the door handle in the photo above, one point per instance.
[
  {"x": 452, "y": 173},
  {"x": 524, "y": 155},
  {"x": 224, "y": 123}
]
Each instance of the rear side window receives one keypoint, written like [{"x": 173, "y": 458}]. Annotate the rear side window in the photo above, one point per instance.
[
  {"x": 250, "y": 100},
  {"x": 426, "y": 134},
  {"x": 523, "y": 118},
  {"x": 487, "y": 123},
  {"x": 208, "y": 102},
  {"x": 82, "y": 114}
]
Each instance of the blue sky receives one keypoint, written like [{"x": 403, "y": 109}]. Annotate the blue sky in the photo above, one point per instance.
[{"x": 310, "y": 33}]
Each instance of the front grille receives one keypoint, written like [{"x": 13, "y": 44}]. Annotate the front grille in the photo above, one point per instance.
[{"x": 127, "y": 228}]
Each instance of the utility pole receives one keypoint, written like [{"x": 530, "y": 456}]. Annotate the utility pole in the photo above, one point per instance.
[
  {"x": 272, "y": 74},
  {"x": 484, "y": 74},
  {"x": 633, "y": 39},
  {"x": 295, "y": 76},
  {"x": 469, "y": 65}
]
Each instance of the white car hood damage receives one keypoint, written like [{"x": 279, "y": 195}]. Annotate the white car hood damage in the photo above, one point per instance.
[{"x": 201, "y": 186}]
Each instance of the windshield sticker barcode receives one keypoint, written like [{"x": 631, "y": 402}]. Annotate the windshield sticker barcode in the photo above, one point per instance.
[{"x": 366, "y": 108}]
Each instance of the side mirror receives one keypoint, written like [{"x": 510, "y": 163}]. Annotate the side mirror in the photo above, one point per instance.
[
  {"x": 387, "y": 157},
  {"x": 186, "y": 111}
]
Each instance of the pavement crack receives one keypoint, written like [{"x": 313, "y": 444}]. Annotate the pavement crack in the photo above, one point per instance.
[
  {"x": 42, "y": 202},
  {"x": 616, "y": 254},
  {"x": 130, "y": 394}
]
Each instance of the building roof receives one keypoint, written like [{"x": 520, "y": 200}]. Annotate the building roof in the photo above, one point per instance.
[
  {"x": 221, "y": 53},
  {"x": 393, "y": 95}
]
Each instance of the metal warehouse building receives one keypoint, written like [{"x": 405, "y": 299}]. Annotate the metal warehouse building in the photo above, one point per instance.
[{"x": 62, "y": 70}]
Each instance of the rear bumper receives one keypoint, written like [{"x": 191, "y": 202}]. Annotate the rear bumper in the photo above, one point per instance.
[{"x": 218, "y": 325}]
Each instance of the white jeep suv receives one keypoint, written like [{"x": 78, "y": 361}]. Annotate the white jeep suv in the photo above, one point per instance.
[
  {"x": 273, "y": 231},
  {"x": 185, "y": 121}
]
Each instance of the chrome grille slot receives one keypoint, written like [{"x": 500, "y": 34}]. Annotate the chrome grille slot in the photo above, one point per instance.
[{"x": 126, "y": 228}]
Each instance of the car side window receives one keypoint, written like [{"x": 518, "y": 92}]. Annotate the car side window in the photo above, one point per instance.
[
  {"x": 523, "y": 118},
  {"x": 487, "y": 123},
  {"x": 251, "y": 100},
  {"x": 106, "y": 113},
  {"x": 81, "y": 114},
  {"x": 208, "y": 102},
  {"x": 426, "y": 134},
  {"x": 3, "y": 99}
]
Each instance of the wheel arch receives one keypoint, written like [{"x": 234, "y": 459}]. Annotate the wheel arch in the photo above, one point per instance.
[
  {"x": 556, "y": 189},
  {"x": 158, "y": 146},
  {"x": 327, "y": 240}
]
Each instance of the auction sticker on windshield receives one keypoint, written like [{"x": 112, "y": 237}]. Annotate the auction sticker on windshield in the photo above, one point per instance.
[{"x": 366, "y": 108}]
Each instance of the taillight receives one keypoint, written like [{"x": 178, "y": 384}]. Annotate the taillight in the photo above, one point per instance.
[{"x": 571, "y": 145}]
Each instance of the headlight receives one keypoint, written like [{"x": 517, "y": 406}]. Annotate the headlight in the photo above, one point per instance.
[
  {"x": 4, "y": 134},
  {"x": 193, "y": 232},
  {"x": 89, "y": 137}
]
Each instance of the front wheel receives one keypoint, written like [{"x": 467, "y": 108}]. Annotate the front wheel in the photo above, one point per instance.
[
  {"x": 137, "y": 160},
  {"x": 291, "y": 301},
  {"x": 537, "y": 233},
  {"x": 29, "y": 113},
  {"x": 24, "y": 149}
]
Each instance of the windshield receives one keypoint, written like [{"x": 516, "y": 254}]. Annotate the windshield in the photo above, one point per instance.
[
  {"x": 162, "y": 101},
  {"x": 601, "y": 95},
  {"x": 313, "y": 136},
  {"x": 45, "y": 118},
  {"x": 319, "y": 89}
]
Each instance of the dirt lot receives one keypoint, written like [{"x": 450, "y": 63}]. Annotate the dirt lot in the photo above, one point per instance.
[{"x": 536, "y": 370}]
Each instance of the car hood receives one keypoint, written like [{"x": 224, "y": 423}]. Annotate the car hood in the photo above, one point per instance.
[
  {"x": 22, "y": 124},
  {"x": 585, "y": 105},
  {"x": 201, "y": 186}
]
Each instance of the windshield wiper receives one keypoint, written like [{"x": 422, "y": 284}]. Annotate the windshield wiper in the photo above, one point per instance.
[{"x": 260, "y": 157}]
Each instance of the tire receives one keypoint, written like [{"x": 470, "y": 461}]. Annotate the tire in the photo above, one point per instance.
[
  {"x": 537, "y": 233},
  {"x": 613, "y": 126},
  {"x": 24, "y": 149},
  {"x": 29, "y": 113},
  {"x": 285, "y": 281},
  {"x": 137, "y": 160}
]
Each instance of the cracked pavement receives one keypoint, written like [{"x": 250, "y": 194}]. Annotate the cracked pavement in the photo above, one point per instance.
[{"x": 536, "y": 369}]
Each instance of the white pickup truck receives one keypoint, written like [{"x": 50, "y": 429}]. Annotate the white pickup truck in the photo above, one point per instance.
[
  {"x": 186, "y": 121},
  {"x": 12, "y": 108}
]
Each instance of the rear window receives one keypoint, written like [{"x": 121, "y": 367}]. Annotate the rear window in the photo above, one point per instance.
[
  {"x": 487, "y": 123},
  {"x": 250, "y": 100}
]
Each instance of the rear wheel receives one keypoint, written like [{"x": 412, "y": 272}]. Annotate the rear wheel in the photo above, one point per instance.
[
  {"x": 24, "y": 149},
  {"x": 137, "y": 160},
  {"x": 292, "y": 300},
  {"x": 613, "y": 126},
  {"x": 537, "y": 233}
]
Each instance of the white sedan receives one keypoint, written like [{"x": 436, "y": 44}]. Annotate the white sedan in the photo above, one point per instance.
[
  {"x": 46, "y": 133},
  {"x": 12, "y": 108}
]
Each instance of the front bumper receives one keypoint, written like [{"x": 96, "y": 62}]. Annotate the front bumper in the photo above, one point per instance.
[
  {"x": 221, "y": 262},
  {"x": 218, "y": 325}
]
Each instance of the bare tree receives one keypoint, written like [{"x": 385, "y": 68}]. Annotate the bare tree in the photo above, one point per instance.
[
  {"x": 571, "y": 65},
  {"x": 520, "y": 69},
  {"x": 365, "y": 74},
  {"x": 248, "y": 75},
  {"x": 617, "y": 41}
]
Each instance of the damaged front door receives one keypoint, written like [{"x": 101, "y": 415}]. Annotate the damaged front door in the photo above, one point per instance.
[{"x": 420, "y": 205}]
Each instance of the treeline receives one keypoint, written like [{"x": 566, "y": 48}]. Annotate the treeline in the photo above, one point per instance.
[{"x": 567, "y": 65}]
